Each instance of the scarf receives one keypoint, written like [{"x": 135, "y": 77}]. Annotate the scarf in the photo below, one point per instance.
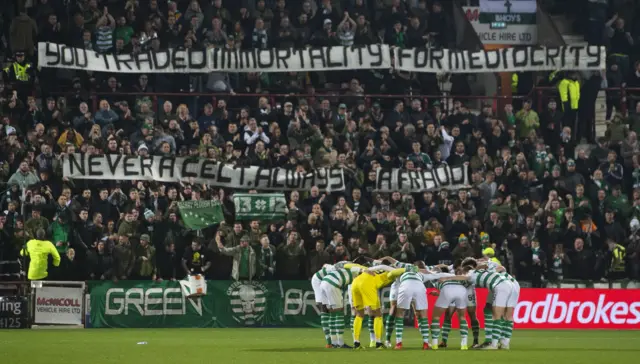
[
  {"x": 266, "y": 258},
  {"x": 399, "y": 39}
]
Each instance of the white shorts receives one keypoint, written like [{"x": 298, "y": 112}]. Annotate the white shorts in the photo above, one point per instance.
[
  {"x": 471, "y": 296},
  {"x": 412, "y": 291},
  {"x": 512, "y": 302},
  {"x": 331, "y": 296},
  {"x": 315, "y": 284},
  {"x": 489, "y": 298},
  {"x": 501, "y": 293},
  {"x": 393, "y": 293},
  {"x": 349, "y": 297},
  {"x": 452, "y": 295}
]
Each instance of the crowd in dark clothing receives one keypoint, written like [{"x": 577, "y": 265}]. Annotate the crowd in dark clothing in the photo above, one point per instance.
[{"x": 548, "y": 208}]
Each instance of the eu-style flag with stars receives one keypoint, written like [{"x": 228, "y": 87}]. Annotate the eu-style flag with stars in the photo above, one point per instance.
[{"x": 200, "y": 214}]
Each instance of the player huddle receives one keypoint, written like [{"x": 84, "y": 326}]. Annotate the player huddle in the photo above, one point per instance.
[{"x": 456, "y": 294}]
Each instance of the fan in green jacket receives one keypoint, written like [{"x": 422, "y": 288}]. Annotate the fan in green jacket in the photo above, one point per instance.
[{"x": 60, "y": 235}]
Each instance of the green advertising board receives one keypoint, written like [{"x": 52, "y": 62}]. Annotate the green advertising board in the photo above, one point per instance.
[
  {"x": 129, "y": 304},
  {"x": 146, "y": 304}
]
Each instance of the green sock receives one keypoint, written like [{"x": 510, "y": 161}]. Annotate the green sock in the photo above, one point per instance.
[
  {"x": 508, "y": 332},
  {"x": 388, "y": 323},
  {"x": 372, "y": 332},
  {"x": 332, "y": 328},
  {"x": 423, "y": 325},
  {"x": 464, "y": 331},
  {"x": 464, "y": 328},
  {"x": 435, "y": 331},
  {"x": 339, "y": 317},
  {"x": 446, "y": 328},
  {"x": 498, "y": 327},
  {"x": 488, "y": 324},
  {"x": 399, "y": 329},
  {"x": 324, "y": 321},
  {"x": 509, "y": 328}
]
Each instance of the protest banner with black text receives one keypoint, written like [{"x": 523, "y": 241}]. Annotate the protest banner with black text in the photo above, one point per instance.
[
  {"x": 403, "y": 180},
  {"x": 217, "y": 59},
  {"x": 377, "y": 56},
  {"x": 571, "y": 58},
  {"x": 201, "y": 213},
  {"x": 260, "y": 206},
  {"x": 175, "y": 169}
]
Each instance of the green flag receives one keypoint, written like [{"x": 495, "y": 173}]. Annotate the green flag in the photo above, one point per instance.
[
  {"x": 200, "y": 214},
  {"x": 260, "y": 206}
]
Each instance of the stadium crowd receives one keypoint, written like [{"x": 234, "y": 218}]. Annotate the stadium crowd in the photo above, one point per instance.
[{"x": 548, "y": 208}]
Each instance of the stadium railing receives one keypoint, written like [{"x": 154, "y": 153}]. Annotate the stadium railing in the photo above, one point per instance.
[
  {"x": 250, "y": 100},
  {"x": 625, "y": 100}
]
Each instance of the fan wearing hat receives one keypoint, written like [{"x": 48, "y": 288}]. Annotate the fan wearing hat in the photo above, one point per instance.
[
  {"x": 145, "y": 259},
  {"x": 143, "y": 150},
  {"x": 244, "y": 258},
  {"x": 527, "y": 120},
  {"x": 21, "y": 75},
  {"x": 490, "y": 254},
  {"x": 463, "y": 249},
  {"x": 340, "y": 120}
]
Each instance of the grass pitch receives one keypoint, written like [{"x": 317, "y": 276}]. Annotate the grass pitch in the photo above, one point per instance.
[{"x": 266, "y": 346}]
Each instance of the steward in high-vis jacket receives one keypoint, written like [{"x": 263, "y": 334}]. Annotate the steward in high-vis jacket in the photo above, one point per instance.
[
  {"x": 569, "y": 90},
  {"x": 39, "y": 250},
  {"x": 21, "y": 75}
]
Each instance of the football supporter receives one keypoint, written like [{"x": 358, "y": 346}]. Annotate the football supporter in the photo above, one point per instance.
[{"x": 542, "y": 183}]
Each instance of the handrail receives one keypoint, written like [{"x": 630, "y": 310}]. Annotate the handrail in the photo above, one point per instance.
[
  {"x": 327, "y": 95},
  {"x": 537, "y": 91},
  {"x": 95, "y": 97},
  {"x": 622, "y": 90}
]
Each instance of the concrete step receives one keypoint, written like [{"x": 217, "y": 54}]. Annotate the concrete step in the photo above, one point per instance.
[
  {"x": 600, "y": 130},
  {"x": 587, "y": 147},
  {"x": 573, "y": 39},
  {"x": 562, "y": 24},
  {"x": 601, "y": 113}
]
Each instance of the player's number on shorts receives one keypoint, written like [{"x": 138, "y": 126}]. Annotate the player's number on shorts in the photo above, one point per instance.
[{"x": 472, "y": 298}]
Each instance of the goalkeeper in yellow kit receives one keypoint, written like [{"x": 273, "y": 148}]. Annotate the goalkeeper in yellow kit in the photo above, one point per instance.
[{"x": 364, "y": 293}]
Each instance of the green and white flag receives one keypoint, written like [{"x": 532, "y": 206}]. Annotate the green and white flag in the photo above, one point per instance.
[
  {"x": 508, "y": 11},
  {"x": 260, "y": 206},
  {"x": 200, "y": 214}
]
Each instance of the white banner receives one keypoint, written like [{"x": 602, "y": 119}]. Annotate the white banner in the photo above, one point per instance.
[
  {"x": 575, "y": 57},
  {"x": 571, "y": 58},
  {"x": 217, "y": 59},
  {"x": 194, "y": 286},
  {"x": 402, "y": 180},
  {"x": 174, "y": 169},
  {"x": 58, "y": 305}
]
